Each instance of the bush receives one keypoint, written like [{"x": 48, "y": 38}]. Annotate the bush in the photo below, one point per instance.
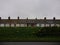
[{"x": 49, "y": 31}]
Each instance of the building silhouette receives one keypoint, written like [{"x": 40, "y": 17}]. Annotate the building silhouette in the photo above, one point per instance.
[{"x": 29, "y": 22}]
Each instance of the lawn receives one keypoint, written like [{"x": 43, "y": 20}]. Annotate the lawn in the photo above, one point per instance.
[{"x": 24, "y": 34}]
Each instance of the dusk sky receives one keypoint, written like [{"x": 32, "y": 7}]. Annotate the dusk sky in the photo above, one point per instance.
[{"x": 30, "y": 8}]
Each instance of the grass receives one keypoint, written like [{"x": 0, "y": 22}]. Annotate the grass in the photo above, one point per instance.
[{"x": 23, "y": 34}]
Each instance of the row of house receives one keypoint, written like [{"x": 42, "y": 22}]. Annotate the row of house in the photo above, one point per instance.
[{"x": 29, "y": 22}]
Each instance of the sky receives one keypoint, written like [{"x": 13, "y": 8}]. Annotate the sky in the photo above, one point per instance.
[{"x": 30, "y": 9}]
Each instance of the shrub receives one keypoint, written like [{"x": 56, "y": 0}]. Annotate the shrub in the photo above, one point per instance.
[{"x": 48, "y": 31}]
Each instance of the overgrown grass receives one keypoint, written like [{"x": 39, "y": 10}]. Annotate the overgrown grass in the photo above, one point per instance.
[{"x": 23, "y": 34}]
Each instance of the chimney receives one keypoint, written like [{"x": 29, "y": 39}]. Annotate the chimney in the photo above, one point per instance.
[
  {"x": 54, "y": 18},
  {"x": 44, "y": 18},
  {"x": 18, "y": 17},
  {"x": 0, "y": 18},
  {"x": 9, "y": 18}
]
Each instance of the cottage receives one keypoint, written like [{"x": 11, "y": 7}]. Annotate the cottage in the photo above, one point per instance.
[{"x": 29, "y": 22}]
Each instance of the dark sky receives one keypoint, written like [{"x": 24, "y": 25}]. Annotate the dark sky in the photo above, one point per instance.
[{"x": 30, "y": 8}]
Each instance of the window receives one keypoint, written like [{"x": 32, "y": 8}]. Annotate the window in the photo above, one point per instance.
[
  {"x": 17, "y": 25},
  {"x": 57, "y": 25},
  {"x": 22, "y": 25},
  {"x": 7, "y": 25},
  {"x": 47, "y": 25},
  {"x": 52, "y": 25},
  {"x": 42, "y": 25},
  {"x": 12, "y": 25},
  {"x": 37, "y": 25},
  {"x": 2, "y": 25}
]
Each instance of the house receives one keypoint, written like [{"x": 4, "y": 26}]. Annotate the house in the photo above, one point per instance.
[{"x": 29, "y": 22}]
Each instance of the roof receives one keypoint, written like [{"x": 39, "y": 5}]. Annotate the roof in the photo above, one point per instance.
[{"x": 30, "y": 21}]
